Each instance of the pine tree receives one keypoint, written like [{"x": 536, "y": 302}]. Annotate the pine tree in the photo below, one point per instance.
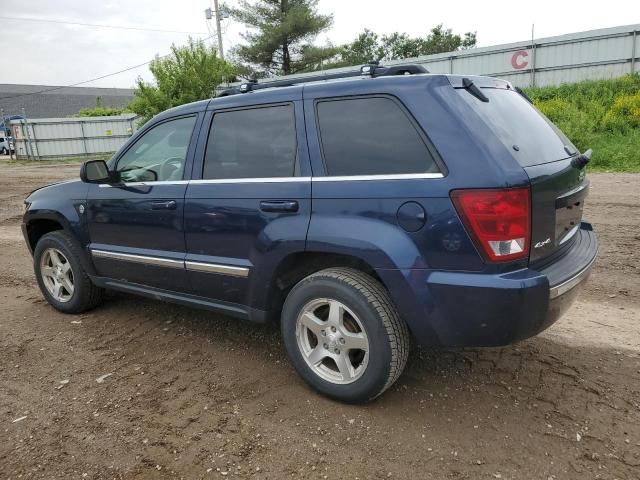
[{"x": 280, "y": 35}]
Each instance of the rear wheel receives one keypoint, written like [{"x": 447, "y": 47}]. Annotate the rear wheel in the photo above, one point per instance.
[
  {"x": 343, "y": 334},
  {"x": 5, "y": 151},
  {"x": 61, "y": 276}
]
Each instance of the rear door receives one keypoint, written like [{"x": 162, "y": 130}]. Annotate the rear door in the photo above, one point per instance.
[
  {"x": 558, "y": 188},
  {"x": 136, "y": 226},
  {"x": 249, "y": 202}
]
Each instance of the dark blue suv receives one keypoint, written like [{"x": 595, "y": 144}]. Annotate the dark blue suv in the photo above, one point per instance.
[{"x": 358, "y": 213}]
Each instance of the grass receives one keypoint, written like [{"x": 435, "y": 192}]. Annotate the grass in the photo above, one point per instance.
[{"x": 603, "y": 115}]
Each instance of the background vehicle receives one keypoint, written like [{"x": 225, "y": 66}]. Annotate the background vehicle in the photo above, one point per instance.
[
  {"x": 358, "y": 213},
  {"x": 6, "y": 145}
]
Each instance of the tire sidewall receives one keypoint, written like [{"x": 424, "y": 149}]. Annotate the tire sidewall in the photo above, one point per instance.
[
  {"x": 55, "y": 240},
  {"x": 376, "y": 374}
]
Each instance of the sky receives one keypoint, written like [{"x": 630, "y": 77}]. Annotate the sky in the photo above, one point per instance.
[{"x": 61, "y": 54}]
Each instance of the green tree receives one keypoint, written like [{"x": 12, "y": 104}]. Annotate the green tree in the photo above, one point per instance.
[
  {"x": 189, "y": 73},
  {"x": 280, "y": 35},
  {"x": 370, "y": 46},
  {"x": 364, "y": 48}
]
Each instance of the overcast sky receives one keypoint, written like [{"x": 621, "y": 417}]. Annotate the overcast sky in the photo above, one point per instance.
[{"x": 57, "y": 54}]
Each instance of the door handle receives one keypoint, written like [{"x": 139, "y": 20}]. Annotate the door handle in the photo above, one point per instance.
[
  {"x": 279, "y": 206},
  {"x": 170, "y": 205}
]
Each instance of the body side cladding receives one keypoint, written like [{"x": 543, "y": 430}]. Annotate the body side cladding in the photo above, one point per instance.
[{"x": 232, "y": 309}]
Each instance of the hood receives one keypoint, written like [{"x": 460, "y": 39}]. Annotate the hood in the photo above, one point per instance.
[
  {"x": 59, "y": 191},
  {"x": 53, "y": 185}
]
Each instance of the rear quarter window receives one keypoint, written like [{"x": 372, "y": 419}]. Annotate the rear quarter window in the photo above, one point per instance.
[{"x": 371, "y": 136}]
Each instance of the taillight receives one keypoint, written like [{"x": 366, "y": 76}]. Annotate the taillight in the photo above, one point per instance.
[{"x": 498, "y": 219}]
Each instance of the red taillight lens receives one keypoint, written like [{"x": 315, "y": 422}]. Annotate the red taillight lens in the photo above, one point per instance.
[{"x": 499, "y": 220}]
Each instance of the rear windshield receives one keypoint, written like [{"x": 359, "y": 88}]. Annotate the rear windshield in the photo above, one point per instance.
[{"x": 522, "y": 128}]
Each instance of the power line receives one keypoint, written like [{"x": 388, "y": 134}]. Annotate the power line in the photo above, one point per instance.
[
  {"x": 46, "y": 90},
  {"x": 121, "y": 27}
]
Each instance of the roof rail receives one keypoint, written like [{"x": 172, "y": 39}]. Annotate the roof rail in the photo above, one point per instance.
[{"x": 372, "y": 69}]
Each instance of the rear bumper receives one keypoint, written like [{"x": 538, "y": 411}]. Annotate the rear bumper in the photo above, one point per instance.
[{"x": 470, "y": 309}]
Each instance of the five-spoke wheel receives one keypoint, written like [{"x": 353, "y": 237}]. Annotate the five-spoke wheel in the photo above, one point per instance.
[
  {"x": 57, "y": 274},
  {"x": 343, "y": 334},
  {"x": 332, "y": 340},
  {"x": 61, "y": 275}
]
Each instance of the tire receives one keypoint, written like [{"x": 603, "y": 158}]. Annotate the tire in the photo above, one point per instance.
[
  {"x": 5, "y": 151},
  {"x": 370, "y": 341},
  {"x": 77, "y": 296}
]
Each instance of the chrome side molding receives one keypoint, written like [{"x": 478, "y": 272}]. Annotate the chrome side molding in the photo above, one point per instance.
[
  {"x": 216, "y": 268},
  {"x": 170, "y": 263},
  {"x": 337, "y": 178},
  {"x": 144, "y": 259}
]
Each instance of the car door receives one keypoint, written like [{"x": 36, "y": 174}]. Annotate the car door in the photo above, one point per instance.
[
  {"x": 250, "y": 201},
  {"x": 136, "y": 225}
]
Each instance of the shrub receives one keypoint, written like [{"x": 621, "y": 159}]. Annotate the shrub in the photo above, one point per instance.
[
  {"x": 623, "y": 114},
  {"x": 599, "y": 114},
  {"x": 101, "y": 112}
]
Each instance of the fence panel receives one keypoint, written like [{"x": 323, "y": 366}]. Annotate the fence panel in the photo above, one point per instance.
[
  {"x": 596, "y": 54},
  {"x": 43, "y": 138}
]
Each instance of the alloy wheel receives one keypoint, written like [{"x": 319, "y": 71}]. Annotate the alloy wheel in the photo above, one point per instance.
[
  {"x": 332, "y": 340},
  {"x": 57, "y": 275}
]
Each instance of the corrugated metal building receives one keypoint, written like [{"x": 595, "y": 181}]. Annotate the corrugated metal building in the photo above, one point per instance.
[{"x": 60, "y": 102}]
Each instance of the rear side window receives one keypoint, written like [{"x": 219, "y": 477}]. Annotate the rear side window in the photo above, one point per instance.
[
  {"x": 371, "y": 136},
  {"x": 525, "y": 131},
  {"x": 252, "y": 143}
]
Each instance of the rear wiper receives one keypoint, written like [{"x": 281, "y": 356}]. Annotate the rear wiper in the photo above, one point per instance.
[
  {"x": 473, "y": 89},
  {"x": 524, "y": 95},
  {"x": 581, "y": 160}
]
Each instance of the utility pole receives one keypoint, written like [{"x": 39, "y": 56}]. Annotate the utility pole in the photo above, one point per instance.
[
  {"x": 219, "y": 16},
  {"x": 218, "y": 29}
]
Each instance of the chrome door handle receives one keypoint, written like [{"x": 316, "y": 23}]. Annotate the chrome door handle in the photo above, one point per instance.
[
  {"x": 170, "y": 205},
  {"x": 279, "y": 206}
]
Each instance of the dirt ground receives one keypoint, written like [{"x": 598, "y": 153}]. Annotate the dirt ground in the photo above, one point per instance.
[{"x": 192, "y": 394}]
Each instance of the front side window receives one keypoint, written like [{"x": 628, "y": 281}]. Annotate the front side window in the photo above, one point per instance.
[
  {"x": 159, "y": 154},
  {"x": 371, "y": 136},
  {"x": 252, "y": 143}
]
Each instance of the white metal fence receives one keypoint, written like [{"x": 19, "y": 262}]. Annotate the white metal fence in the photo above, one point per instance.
[
  {"x": 596, "y": 54},
  {"x": 43, "y": 138},
  {"x": 574, "y": 57}
]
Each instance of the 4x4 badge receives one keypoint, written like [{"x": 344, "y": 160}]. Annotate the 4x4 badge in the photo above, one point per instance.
[{"x": 543, "y": 243}]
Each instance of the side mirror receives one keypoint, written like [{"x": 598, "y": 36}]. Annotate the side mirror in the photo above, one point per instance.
[{"x": 95, "y": 171}]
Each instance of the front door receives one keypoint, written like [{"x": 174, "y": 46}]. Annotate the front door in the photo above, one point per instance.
[
  {"x": 136, "y": 225},
  {"x": 249, "y": 204}
]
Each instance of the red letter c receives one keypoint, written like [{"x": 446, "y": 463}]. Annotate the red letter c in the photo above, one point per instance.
[{"x": 516, "y": 61}]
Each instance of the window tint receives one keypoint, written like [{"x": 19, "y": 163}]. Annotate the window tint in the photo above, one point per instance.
[
  {"x": 253, "y": 143},
  {"x": 370, "y": 136},
  {"x": 159, "y": 155},
  {"x": 516, "y": 122}
]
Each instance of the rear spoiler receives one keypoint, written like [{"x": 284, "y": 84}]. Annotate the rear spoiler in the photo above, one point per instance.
[{"x": 461, "y": 81}]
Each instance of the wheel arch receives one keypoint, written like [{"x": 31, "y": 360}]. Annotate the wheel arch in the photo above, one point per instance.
[
  {"x": 37, "y": 225},
  {"x": 296, "y": 266}
]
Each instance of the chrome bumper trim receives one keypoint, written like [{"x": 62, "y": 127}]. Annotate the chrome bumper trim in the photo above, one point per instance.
[{"x": 567, "y": 285}]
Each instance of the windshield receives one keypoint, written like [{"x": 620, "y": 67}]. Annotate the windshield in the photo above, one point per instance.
[{"x": 522, "y": 128}]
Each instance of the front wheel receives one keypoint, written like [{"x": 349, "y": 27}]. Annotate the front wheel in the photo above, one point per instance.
[
  {"x": 61, "y": 275},
  {"x": 343, "y": 334}
]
